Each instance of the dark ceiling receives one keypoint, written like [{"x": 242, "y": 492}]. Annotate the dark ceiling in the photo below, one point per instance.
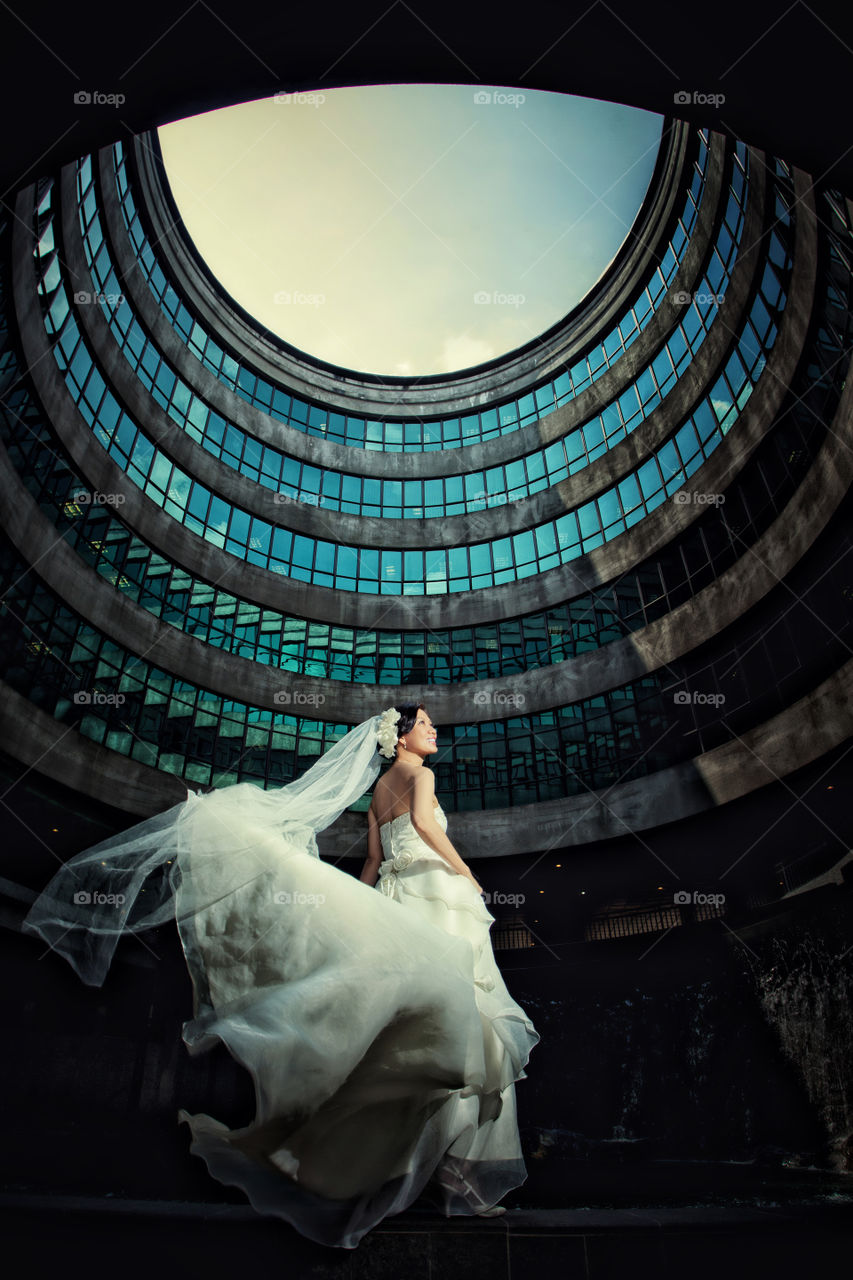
[{"x": 785, "y": 70}]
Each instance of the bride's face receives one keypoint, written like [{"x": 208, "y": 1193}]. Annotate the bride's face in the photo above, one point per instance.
[{"x": 422, "y": 736}]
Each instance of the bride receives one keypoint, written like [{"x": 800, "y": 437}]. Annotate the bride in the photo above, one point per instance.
[{"x": 382, "y": 1042}]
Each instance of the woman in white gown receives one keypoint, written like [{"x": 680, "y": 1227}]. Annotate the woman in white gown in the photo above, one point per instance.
[{"x": 383, "y": 1044}]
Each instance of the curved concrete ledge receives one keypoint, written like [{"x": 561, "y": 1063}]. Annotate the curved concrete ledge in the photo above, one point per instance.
[
  {"x": 494, "y": 522},
  {"x": 801, "y": 733},
  {"x": 804, "y": 732},
  {"x": 62, "y": 753},
  {"x": 436, "y": 612},
  {"x": 473, "y": 457},
  {"x": 359, "y": 394},
  {"x": 687, "y": 627}
]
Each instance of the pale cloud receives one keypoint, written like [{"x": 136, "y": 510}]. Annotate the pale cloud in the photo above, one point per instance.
[
  {"x": 461, "y": 351},
  {"x": 363, "y": 228}
]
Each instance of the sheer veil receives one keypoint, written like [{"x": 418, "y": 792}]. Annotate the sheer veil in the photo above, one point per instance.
[{"x": 180, "y": 862}]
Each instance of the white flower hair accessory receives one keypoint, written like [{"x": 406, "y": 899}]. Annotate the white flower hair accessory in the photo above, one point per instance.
[{"x": 386, "y": 734}]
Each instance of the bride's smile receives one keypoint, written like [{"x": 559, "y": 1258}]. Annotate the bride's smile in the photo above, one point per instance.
[{"x": 421, "y": 739}]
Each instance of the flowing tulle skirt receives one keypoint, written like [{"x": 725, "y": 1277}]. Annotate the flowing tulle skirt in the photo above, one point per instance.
[{"x": 379, "y": 1034}]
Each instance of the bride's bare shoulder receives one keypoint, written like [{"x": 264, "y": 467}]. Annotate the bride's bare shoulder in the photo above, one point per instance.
[
  {"x": 393, "y": 786},
  {"x": 423, "y": 780}
]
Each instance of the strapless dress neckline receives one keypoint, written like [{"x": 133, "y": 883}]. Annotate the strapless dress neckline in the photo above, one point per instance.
[{"x": 407, "y": 814}]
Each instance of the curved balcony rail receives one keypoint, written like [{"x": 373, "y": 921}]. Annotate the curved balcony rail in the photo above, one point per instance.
[
  {"x": 407, "y": 435},
  {"x": 415, "y": 572},
  {"x": 244, "y": 628},
  {"x": 67, "y": 667},
  {"x": 330, "y": 489}
]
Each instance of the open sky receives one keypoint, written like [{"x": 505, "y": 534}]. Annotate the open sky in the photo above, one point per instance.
[{"x": 411, "y": 229}]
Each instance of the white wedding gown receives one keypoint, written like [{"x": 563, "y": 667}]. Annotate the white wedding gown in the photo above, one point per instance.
[{"x": 383, "y": 1044}]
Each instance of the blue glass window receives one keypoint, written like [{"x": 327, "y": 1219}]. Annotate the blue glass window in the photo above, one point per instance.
[
  {"x": 609, "y": 509},
  {"x": 649, "y": 478},
  {"x": 458, "y": 558},
  {"x": 629, "y": 493},
  {"x": 413, "y": 566},
  {"x": 480, "y": 563},
  {"x": 588, "y": 518},
  {"x": 567, "y": 529},
  {"x": 303, "y": 552},
  {"x": 324, "y": 559},
  {"x": 368, "y": 564}
]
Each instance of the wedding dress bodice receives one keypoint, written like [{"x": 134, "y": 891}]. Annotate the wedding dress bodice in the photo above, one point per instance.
[
  {"x": 412, "y": 868},
  {"x": 379, "y": 1029},
  {"x": 373, "y": 1020},
  {"x": 401, "y": 843}
]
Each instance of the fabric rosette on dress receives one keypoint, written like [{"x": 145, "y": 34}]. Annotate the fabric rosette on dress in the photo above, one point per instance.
[
  {"x": 383, "y": 1040},
  {"x": 413, "y": 873},
  {"x": 382, "y": 1043},
  {"x": 390, "y": 869}
]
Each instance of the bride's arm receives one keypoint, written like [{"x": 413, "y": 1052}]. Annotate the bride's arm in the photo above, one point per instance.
[
  {"x": 370, "y": 870},
  {"x": 426, "y": 825}
]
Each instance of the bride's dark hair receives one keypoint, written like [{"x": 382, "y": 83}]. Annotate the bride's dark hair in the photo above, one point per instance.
[{"x": 408, "y": 716}]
